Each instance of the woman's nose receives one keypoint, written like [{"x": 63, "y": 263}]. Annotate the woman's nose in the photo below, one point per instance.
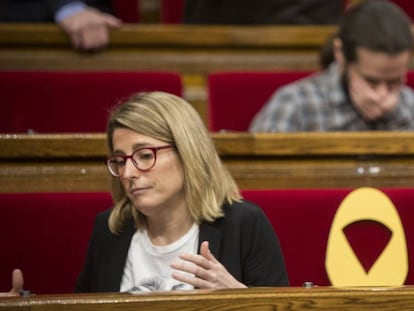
[{"x": 130, "y": 171}]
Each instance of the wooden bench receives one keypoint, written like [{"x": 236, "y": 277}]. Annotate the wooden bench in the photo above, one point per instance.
[
  {"x": 73, "y": 162},
  {"x": 193, "y": 51}
]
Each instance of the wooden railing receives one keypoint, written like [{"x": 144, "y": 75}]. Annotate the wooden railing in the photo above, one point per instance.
[
  {"x": 66, "y": 162},
  {"x": 251, "y": 299}
]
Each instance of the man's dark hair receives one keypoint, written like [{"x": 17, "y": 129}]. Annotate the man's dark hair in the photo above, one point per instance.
[{"x": 377, "y": 25}]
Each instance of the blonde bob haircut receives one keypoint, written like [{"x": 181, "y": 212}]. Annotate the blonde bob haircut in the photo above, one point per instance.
[{"x": 166, "y": 117}]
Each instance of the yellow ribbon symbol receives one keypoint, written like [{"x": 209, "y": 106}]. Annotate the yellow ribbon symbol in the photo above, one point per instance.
[{"x": 343, "y": 266}]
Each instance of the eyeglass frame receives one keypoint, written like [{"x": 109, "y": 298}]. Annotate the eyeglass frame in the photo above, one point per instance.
[{"x": 125, "y": 157}]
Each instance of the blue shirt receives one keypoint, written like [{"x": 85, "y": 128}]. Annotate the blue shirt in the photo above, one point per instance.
[{"x": 69, "y": 9}]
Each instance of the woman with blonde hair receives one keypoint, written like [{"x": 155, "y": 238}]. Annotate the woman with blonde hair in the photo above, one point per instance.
[{"x": 179, "y": 221}]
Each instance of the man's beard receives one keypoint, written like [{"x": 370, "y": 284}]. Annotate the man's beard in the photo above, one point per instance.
[{"x": 344, "y": 80}]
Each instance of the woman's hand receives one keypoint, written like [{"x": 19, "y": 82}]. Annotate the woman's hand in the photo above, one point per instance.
[
  {"x": 204, "y": 271},
  {"x": 17, "y": 284}
]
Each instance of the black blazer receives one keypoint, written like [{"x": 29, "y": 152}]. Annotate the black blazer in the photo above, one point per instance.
[{"x": 243, "y": 241}]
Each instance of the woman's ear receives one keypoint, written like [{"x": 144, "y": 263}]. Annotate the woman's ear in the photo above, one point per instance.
[{"x": 338, "y": 53}]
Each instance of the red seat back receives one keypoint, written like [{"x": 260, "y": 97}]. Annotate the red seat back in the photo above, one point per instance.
[
  {"x": 407, "y": 6},
  {"x": 46, "y": 235},
  {"x": 128, "y": 11},
  {"x": 172, "y": 11},
  {"x": 410, "y": 79},
  {"x": 235, "y": 97},
  {"x": 302, "y": 219},
  {"x": 72, "y": 101}
]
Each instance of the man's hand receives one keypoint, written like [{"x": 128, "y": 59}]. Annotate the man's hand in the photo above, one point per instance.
[
  {"x": 372, "y": 102},
  {"x": 89, "y": 28}
]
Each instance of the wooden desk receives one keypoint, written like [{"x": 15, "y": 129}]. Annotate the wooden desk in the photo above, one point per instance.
[
  {"x": 251, "y": 299},
  {"x": 31, "y": 163},
  {"x": 193, "y": 51}
]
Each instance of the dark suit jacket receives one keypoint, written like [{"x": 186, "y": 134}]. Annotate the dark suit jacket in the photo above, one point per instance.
[
  {"x": 243, "y": 241},
  {"x": 301, "y": 12},
  {"x": 37, "y": 11}
]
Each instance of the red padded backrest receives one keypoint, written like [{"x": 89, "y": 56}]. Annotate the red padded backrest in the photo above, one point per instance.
[
  {"x": 407, "y": 6},
  {"x": 172, "y": 11},
  {"x": 72, "y": 101},
  {"x": 235, "y": 97},
  {"x": 410, "y": 79},
  {"x": 46, "y": 235},
  {"x": 127, "y": 10},
  {"x": 302, "y": 220}
]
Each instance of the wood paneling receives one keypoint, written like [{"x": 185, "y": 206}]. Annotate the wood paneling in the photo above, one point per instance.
[{"x": 66, "y": 162}]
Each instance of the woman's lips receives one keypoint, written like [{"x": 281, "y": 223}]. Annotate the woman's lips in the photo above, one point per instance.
[{"x": 138, "y": 190}]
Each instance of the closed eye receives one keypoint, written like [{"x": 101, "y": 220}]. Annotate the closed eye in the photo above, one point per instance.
[{"x": 118, "y": 161}]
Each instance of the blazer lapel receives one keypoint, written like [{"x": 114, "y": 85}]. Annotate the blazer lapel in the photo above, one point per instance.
[
  {"x": 211, "y": 232},
  {"x": 113, "y": 261}
]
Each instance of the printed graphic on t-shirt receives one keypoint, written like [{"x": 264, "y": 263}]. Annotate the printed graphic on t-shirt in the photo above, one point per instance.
[{"x": 158, "y": 283}]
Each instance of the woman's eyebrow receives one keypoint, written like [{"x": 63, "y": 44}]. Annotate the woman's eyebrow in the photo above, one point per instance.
[
  {"x": 135, "y": 147},
  {"x": 142, "y": 145}
]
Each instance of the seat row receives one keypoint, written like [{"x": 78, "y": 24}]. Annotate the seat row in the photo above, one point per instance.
[
  {"x": 46, "y": 235},
  {"x": 78, "y": 101}
]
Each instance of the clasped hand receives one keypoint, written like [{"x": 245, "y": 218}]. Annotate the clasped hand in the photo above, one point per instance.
[{"x": 204, "y": 271}]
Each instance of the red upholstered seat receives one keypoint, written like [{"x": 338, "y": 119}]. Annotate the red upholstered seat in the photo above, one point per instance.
[
  {"x": 235, "y": 97},
  {"x": 410, "y": 78},
  {"x": 72, "y": 101},
  {"x": 407, "y": 6},
  {"x": 172, "y": 11},
  {"x": 128, "y": 11},
  {"x": 46, "y": 235},
  {"x": 302, "y": 219}
]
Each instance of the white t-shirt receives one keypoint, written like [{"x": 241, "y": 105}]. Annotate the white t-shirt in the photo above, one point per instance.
[{"x": 147, "y": 267}]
